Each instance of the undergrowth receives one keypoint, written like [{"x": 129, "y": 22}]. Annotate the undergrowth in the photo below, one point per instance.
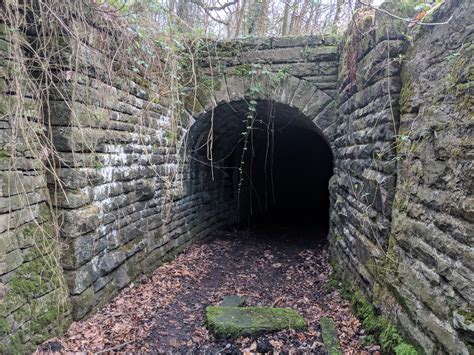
[{"x": 378, "y": 329}]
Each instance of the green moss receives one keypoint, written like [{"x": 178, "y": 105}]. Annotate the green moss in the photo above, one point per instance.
[
  {"x": 460, "y": 78},
  {"x": 4, "y": 326},
  {"x": 32, "y": 279},
  {"x": 406, "y": 96},
  {"x": 378, "y": 328},
  {"x": 228, "y": 49},
  {"x": 44, "y": 320},
  {"x": 401, "y": 7},
  {"x": 405, "y": 349},
  {"x": 14, "y": 345},
  {"x": 30, "y": 230},
  {"x": 129, "y": 246},
  {"x": 467, "y": 314},
  {"x": 209, "y": 82},
  {"x": 4, "y": 154},
  {"x": 171, "y": 136},
  {"x": 206, "y": 86},
  {"x": 232, "y": 322},
  {"x": 332, "y": 283},
  {"x": 36, "y": 295},
  {"x": 329, "y": 335},
  {"x": 391, "y": 263}
]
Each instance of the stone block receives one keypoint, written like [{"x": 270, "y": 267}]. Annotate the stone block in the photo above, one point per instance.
[
  {"x": 284, "y": 55},
  {"x": 14, "y": 183},
  {"x": 109, "y": 261},
  {"x": 10, "y": 261},
  {"x": 232, "y": 322},
  {"x": 322, "y": 53},
  {"x": 82, "y": 304},
  {"x": 79, "y": 221}
]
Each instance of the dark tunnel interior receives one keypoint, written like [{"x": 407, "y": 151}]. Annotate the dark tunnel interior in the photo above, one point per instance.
[{"x": 275, "y": 160}]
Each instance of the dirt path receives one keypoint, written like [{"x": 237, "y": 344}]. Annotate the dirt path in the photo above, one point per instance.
[{"x": 284, "y": 268}]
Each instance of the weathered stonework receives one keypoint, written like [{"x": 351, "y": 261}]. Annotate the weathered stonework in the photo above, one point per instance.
[
  {"x": 432, "y": 230},
  {"x": 33, "y": 297},
  {"x": 397, "y": 115},
  {"x": 402, "y": 192}
]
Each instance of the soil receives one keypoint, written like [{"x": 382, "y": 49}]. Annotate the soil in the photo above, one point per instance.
[{"x": 165, "y": 313}]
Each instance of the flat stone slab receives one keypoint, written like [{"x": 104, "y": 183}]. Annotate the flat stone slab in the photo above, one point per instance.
[
  {"x": 233, "y": 301},
  {"x": 233, "y": 322},
  {"x": 329, "y": 335}
]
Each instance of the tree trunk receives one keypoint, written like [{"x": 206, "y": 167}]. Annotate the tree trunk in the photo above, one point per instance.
[
  {"x": 337, "y": 17},
  {"x": 262, "y": 21},
  {"x": 286, "y": 14},
  {"x": 240, "y": 17},
  {"x": 294, "y": 17}
]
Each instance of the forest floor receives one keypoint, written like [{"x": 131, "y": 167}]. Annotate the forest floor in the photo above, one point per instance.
[{"x": 166, "y": 312}]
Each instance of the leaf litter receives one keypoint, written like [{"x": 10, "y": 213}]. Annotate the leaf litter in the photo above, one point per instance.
[{"x": 165, "y": 312}]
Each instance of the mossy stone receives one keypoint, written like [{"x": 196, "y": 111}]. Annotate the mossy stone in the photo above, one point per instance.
[
  {"x": 329, "y": 335},
  {"x": 232, "y": 322}
]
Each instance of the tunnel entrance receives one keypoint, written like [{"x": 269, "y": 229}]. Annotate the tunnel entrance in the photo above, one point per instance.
[{"x": 268, "y": 158}]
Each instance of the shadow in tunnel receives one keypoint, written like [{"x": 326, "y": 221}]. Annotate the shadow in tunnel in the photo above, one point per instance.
[{"x": 277, "y": 163}]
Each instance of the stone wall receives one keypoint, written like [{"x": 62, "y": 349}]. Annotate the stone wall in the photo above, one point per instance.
[
  {"x": 402, "y": 190},
  {"x": 432, "y": 231},
  {"x": 127, "y": 200},
  {"x": 33, "y": 296},
  {"x": 364, "y": 180}
]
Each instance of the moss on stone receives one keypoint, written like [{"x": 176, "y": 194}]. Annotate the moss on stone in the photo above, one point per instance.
[
  {"x": 206, "y": 86},
  {"x": 232, "y": 322},
  {"x": 467, "y": 314},
  {"x": 378, "y": 328},
  {"x": 460, "y": 78},
  {"x": 14, "y": 345},
  {"x": 4, "y": 154},
  {"x": 37, "y": 296},
  {"x": 405, "y": 349},
  {"x": 31, "y": 279},
  {"x": 406, "y": 96},
  {"x": 4, "y": 326},
  {"x": 130, "y": 245},
  {"x": 329, "y": 335}
]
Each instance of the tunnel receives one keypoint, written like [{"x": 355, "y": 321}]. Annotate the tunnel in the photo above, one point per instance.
[{"x": 267, "y": 158}]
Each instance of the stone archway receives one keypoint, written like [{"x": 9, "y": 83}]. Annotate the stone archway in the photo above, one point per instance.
[{"x": 276, "y": 172}]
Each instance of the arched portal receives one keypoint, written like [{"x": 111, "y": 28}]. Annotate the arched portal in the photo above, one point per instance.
[{"x": 268, "y": 158}]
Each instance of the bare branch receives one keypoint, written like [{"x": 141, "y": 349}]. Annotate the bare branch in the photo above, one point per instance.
[{"x": 411, "y": 21}]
